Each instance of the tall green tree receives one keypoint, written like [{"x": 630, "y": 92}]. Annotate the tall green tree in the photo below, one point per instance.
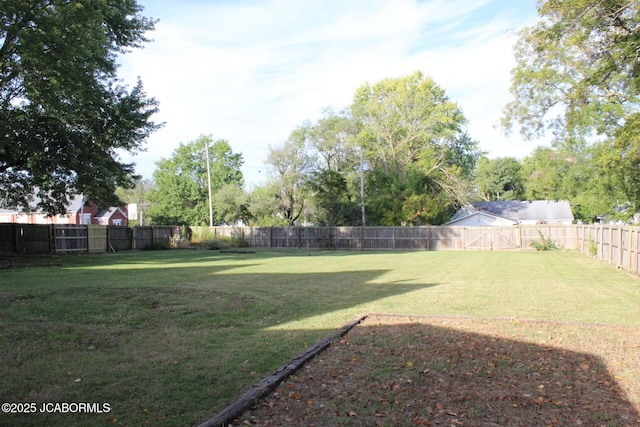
[
  {"x": 415, "y": 142},
  {"x": 181, "y": 190},
  {"x": 334, "y": 180},
  {"x": 572, "y": 173},
  {"x": 499, "y": 179},
  {"x": 285, "y": 198},
  {"x": 577, "y": 74},
  {"x": 336, "y": 202},
  {"x": 231, "y": 204},
  {"x": 545, "y": 171},
  {"x": 64, "y": 114}
]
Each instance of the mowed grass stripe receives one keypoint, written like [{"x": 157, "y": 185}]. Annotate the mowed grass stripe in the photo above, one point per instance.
[{"x": 169, "y": 338}]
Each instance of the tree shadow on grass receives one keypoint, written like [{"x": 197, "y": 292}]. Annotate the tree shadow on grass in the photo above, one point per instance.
[
  {"x": 166, "y": 345},
  {"x": 403, "y": 371}
]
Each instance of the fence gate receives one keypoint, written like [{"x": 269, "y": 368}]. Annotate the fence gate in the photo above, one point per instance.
[
  {"x": 505, "y": 238},
  {"x": 492, "y": 238}
]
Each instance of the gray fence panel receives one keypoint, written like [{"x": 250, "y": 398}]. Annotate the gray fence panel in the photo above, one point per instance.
[
  {"x": 8, "y": 237},
  {"x": 120, "y": 238},
  {"x": 70, "y": 238},
  {"x": 33, "y": 239}
]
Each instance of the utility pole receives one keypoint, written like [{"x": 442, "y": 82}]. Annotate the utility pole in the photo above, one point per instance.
[
  {"x": 364, "y": 219},
  {"x": 206, "y": 150}
]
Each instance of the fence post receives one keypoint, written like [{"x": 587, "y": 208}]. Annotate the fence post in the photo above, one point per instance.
[
  {"x": 620, "y": 247},
  {"x": 53, "y": 234},
  {"x": 610, "y": 244},
  {"x": 16, "y": 227},
  {"x": 636, "y": 247},
  {"x": 393, "y": 237},
  {"x": 629, "y": 246},
  {"x": 464, "y": 238}
]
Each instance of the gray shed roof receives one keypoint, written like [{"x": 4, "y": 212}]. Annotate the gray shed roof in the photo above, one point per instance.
[{"x": 516, "y": 210}]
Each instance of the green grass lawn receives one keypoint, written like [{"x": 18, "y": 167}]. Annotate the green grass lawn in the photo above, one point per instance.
[{"x": 170, "y": 338}]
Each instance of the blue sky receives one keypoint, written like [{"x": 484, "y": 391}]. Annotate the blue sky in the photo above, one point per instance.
[{"x": 251, "y": 71}]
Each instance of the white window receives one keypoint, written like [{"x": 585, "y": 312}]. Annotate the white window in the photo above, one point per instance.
[
  {"x": 86, "y": 218},
  {"x": 117, "y": 222}
]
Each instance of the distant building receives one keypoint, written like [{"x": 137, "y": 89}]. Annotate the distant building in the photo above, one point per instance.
[
  {"x": 513, "y": 212},
  {"x": 78, "y": 212}
]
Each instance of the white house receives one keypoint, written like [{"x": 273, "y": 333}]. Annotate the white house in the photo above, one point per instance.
[{"x": 513, "y": 212}]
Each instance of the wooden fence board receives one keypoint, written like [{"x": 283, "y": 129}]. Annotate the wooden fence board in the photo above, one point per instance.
[
  {"x": 70, "y": 238},
  {"x": 120, "y": 238},
  {"x": 97, "y": 238},
  {"x": 32, "y": 239},
  {"x": 8, "y": 237}
]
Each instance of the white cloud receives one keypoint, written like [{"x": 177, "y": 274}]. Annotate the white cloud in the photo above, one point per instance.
[{"x": 250, "y": 72}]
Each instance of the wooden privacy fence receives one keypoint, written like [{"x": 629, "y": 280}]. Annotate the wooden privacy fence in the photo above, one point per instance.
[
  {"x": 26, "y": 239},
  {"x": 616, "y": 244},
  {"x": 38, "y": 239},
  {"x": 394, "y": 238}
]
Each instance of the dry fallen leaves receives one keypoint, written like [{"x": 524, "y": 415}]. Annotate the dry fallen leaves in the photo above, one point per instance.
[{"x": 469, "y": 372}]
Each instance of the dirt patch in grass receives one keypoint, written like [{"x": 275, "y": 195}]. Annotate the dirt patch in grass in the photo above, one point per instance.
[{"x": 442, "y": 371}]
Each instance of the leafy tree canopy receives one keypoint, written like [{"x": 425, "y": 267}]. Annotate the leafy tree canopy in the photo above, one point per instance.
[
  {"x": 415, "y": 141},
  {"x": 402, "y": 117},
  {"x": 181, "y": 191},
  {"x": 284, "y": 198},
  {"x": 578, "y": 75},
  {"x": 499, "y": 179},
  {"x": 577, "y": 69},
  {"x": 335, "y": 180},
  {"x": 64, "y": 115}
]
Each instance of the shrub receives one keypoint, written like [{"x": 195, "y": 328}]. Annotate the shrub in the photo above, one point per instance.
[
  {"x": 224, "y": 243},
  {"x": 544, "y": 244},
  {"x": 157, "y": 246}
]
